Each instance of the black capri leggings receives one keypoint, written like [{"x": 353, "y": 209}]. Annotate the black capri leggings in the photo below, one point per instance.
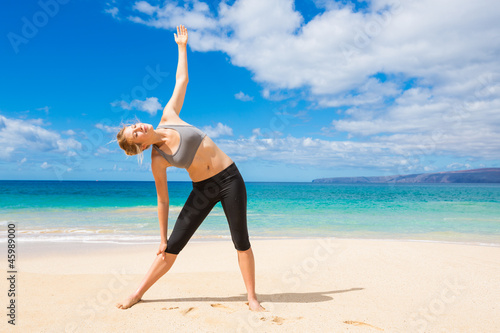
[{"x": 227, "y": 187}]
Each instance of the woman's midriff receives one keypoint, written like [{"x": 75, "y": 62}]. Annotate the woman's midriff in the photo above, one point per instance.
[{"x": 208, "y": 161}]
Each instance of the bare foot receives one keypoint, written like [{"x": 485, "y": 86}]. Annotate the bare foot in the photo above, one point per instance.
[
  {"x": 254, "y": 305},
  {"x": 131, "y": 300}
]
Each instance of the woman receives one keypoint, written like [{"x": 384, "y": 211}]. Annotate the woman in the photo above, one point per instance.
[{"x": 214, "y": 175}]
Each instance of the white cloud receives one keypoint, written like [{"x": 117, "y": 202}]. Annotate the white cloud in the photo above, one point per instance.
[
  {"x": 38, "y": 122},
  {"x": 458, "y": 166},
  {"x": 102, "y": 151},
  {"x": 365, "y": 61},
  {"x": 45, "y": 165},
  {"x": 149, "y": 105},
  {"x": 69, "y": 132},
  {"x": 113, "y": 11},
  {"x": 243, "y": 97},
  {"x": 193, "y": 14},
  {"x": 265, "y": 132},
  {"x": 145, "y": 7},
  {"x": 6, "y": 152},
  {"x": 428, "y": 168},
  {"x": 256, "y": 132},
  {"x": 121, "y": 104},
  {"x": 271, "y": 39},
  {"x": 395, "y": 156},
  {"x": 27, "y": 135},
  {"x": 107, "y": 128},
  {"x": 218, "y": 130},
  {"x": 44, "y": 109}
]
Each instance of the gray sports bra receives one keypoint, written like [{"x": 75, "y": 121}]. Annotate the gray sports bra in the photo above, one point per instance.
[{"x": 190, "y": 140}]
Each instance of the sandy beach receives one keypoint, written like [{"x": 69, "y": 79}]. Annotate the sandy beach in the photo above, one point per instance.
[{"x": 306, "y": 285}]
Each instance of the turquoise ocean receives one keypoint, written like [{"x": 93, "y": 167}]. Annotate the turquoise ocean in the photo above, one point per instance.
[{"x": 125, "y": 212}]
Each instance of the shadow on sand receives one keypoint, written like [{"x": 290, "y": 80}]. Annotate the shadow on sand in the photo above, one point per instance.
[{"x": 311, "y": 297}]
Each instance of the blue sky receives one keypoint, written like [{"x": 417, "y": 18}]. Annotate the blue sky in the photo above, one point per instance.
[{"x": 291, "y": 91}]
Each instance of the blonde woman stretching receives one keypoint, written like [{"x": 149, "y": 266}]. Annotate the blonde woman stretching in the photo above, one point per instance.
[{"x": 214, "y": 175}]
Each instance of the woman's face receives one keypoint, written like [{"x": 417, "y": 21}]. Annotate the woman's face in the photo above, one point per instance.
[{"x": 138, "y": 133}]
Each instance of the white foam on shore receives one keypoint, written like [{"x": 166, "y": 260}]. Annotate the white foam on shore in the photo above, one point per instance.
[{"x": 132, "y": 239}]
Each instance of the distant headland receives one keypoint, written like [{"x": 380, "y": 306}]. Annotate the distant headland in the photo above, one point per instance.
[{"x": 486, "y": 175}]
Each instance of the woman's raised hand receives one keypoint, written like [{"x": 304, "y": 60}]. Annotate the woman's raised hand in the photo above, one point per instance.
[{"x": 181, "y": 38}]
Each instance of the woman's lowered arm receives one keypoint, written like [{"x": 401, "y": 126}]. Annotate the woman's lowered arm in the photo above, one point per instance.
[
  {"x": 181, "y": 78},
  {"x": 160, "y": 176}
]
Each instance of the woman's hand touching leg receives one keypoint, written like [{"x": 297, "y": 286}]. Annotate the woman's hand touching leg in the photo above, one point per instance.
[{"x": 161, "y": 250}]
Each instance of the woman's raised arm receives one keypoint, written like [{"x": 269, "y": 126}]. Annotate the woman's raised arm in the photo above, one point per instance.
[{"x": 181, "y": 77}]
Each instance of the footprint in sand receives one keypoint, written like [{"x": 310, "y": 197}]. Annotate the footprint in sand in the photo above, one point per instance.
[
  {"x": 279, "y": 320},
  {"x": 173, "y": 308},
  {"x": 359, "y": 323},
  {"x": 185, "y": 312},
  {"x": 275, "y": 320},
  {"x": 222, "y": 307}
]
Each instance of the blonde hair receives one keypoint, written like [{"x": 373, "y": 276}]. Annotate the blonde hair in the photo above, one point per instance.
[{"x": 130, "y": 148}]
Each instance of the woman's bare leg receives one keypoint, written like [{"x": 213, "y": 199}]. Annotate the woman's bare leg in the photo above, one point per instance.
[
  {"x": 157, "y": 270},
  {"x": 247, "y": 267}
]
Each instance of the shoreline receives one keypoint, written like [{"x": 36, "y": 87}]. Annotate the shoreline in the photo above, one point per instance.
[{"x": 227, "y": 238}]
